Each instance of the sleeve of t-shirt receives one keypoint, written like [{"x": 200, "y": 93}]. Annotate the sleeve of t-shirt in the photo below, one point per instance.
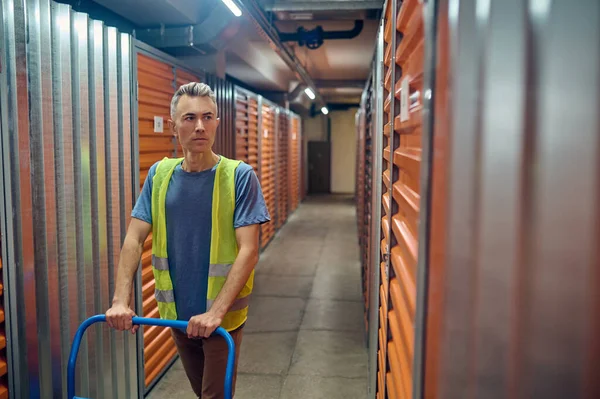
[
  {"x": 250, "y": 205},
  {"x": 143, "y": 206}
]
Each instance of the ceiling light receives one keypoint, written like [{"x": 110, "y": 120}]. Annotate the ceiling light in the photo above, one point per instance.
[
  {"x": 232, "y": 7},
  {"x": 324, "y": 110},
  {"x": 301, "y": 16},
  {"x": 309, "y": 93}
]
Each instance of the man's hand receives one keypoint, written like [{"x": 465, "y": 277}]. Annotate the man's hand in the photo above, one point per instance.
[
  {"x": 119, "y": 317},
  {"x": 203, "y": 325}
]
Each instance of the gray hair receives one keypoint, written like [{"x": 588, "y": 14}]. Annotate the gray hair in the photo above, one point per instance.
[{"x": 192, "y": 89}]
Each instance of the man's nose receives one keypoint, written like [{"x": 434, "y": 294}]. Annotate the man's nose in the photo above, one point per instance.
[{"x": 200, "y": 125}]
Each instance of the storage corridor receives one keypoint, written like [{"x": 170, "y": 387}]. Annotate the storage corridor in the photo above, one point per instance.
[{"x": 305, "y": 332}]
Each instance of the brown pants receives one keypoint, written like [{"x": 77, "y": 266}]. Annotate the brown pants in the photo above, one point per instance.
[{"x": 205, "y": 362}]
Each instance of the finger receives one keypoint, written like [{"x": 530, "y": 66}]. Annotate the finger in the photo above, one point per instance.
[
  {"x": 121, "y": 323},
  {"x": 190, "y": 329}
]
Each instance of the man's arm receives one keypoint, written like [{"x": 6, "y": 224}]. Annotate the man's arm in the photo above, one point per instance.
[
  {"x": 120, "y": 314},
  {"x": 205, "y": 324}
]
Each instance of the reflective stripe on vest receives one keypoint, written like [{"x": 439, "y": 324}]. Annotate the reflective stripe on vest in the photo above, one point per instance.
[{"x": 223, "y": 243}]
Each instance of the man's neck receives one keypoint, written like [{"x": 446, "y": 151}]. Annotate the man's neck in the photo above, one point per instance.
[{"x": 197, "y": 162}]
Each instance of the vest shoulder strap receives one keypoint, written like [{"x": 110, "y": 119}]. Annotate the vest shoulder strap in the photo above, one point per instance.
[{"x": 229, "y": 164}]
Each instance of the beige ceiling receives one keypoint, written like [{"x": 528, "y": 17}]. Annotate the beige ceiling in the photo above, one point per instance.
[{"x": 336, "y": 59}]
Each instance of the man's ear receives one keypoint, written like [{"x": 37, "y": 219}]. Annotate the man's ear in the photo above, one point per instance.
[
  {"x": 218, "y": 122},
  {"x": 173, "y": 127}
]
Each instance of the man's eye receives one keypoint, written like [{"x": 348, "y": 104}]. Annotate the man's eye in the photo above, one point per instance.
[
  {"x": 189, "y": 118},
  {"x": 208, "y": 117}
]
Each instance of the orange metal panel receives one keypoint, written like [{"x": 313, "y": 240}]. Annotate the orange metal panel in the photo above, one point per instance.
[
  {"x": 156, "y": 81},
  {"x": 282, "y": 169},
  {"x": 402, "y": 160},
  {"x": 268, "y": 171}
]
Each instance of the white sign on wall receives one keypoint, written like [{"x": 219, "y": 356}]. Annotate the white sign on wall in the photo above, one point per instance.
[
  {"x": 404, "y": 100},
  {"x": 158, "y": 124}
]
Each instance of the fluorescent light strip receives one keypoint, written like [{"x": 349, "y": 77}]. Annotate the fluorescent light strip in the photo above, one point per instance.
[
  {"x": 324, "y": 110},
  {"x": 232, "y": 7},
  {"x": 309, "y": 93}
]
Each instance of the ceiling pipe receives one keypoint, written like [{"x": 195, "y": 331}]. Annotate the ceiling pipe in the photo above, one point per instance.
[
  {"x": 313, "y": 39},
  {"x": 257, "y": 15}
]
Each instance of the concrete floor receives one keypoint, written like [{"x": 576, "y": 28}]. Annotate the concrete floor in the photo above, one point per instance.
[{"x": 304, "y": 337}]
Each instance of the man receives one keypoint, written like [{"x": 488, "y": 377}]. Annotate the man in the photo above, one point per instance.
[{"x": 204, "y": 211}]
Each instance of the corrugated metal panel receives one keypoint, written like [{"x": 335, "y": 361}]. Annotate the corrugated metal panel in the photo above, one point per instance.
[
  {"x": 402, "y": 130},
  {"x": 66, "y": 150},
  {"x": 282, "y": 167},
  {"x": 226, "y": 133},
  {"x": 295, "y": 178},
  {"x": 386, "y": 212},
  {"x": 522, "y": 266},
  {"x": 246, "y": 123},
  {"x": 267, "y": 169},
  {"x": 156, "y": 86},
  {"x": 364, "y": 192},
  {"x": 155, "y": 91},
  {"x": 407, "y": 143}
]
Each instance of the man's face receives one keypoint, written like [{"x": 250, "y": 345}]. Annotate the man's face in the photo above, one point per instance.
[{"x": 195, "y": 123}]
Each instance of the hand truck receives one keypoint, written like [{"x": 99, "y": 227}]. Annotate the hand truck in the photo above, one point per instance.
[{"x": 142, "y": 321}]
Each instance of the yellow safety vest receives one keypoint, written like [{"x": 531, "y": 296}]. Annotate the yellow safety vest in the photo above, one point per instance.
[{"x": 223, "y": 243}]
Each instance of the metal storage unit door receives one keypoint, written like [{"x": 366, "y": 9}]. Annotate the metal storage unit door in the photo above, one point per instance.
[
  {"x": 294, "y": 163},
  {"x": 282, "y": 168},
  {"x": 364, "y": 190},
  {"x": 155, "y": 90},
  {"x": 385, "y": 203},
  {"x": 267, "y": 169},
  {"x": 246, "y": 126},
  {"x": 402, "y": 181}
]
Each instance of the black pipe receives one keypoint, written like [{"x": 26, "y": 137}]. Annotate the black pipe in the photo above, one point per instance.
[{"x": 314, "y": 38}]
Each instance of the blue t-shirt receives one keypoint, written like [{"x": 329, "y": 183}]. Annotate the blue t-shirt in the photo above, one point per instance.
[{"x": 189, "y": 220}]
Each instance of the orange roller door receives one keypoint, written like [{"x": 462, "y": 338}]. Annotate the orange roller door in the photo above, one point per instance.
[
  {"x": 246, "y": 127},
  {"x": 155, "y": 90},
  {"x": 402, "y": 154},
  {"x": 267, "y": 170},
  {"x": 294, "y": 162},
  {"x": 282, "y": 168},
  {"x": 385, "y": 389}
]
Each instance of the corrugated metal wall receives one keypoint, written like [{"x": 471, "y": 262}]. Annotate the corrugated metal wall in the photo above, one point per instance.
[
  {"x": 267, "y": 168},
  {"x": 281, "y": 167},
  {"x": 295, "y": 167},
  {"x": 225, "y": 91},
  {"x": 509, "y": 220},
  {"x": 522, "y": 264},
  {"x": 246, "y": 122},
  {"x": 67, "y": 183}
]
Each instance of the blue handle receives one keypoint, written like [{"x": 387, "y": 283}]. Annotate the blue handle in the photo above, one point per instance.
[{"x": 147, "y": 322}]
